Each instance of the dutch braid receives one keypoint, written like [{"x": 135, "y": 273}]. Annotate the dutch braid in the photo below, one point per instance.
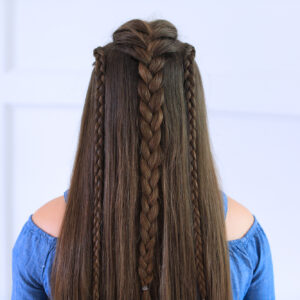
[
  {"x": 151, "y": 95},
  {"x": 149, "y": 47},
  {"x": 189, "y": 84},
  {"x": 98, "y": 164}
]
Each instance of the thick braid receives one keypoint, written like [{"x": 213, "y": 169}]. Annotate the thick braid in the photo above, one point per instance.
[
  {"x": 189, "y": 84},
  {"x": 151, "y": 95},
  {"x": 145, "y": 42},
  {"x": 98, "y": 164}
]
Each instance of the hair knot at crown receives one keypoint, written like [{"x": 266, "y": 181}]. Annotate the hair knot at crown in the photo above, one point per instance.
[{"x": 146, "y": 40}]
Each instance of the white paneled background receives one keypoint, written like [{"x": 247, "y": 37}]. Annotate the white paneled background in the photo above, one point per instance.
[{"x": 248, "y": 53}]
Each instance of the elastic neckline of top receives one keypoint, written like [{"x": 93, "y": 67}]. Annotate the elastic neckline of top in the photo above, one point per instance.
[{"x": 244, "y": 239}]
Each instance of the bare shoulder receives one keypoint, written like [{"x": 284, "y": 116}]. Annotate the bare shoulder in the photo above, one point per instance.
[
  {"x": 238, "y": 220},
  {"x": 49, "y": 217}
]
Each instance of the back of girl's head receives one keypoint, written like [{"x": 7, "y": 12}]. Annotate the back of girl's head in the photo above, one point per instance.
[{"x": 145, "y": 216}]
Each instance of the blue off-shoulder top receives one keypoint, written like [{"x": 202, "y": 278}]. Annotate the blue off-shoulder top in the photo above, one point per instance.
[{"x": 251, "y": 267}]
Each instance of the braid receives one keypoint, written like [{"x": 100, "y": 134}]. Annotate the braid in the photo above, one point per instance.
[
  {"x": 189, "y": 84},
  {"x": 147, "y": 42},
  {"x": 98, "y": 164},
  {"x": 151, "y": 96}
]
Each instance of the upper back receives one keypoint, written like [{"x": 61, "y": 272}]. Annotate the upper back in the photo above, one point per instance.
[{"x": 251, "y": 268}]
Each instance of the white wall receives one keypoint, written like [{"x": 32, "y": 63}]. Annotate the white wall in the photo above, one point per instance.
[{"x": 248, "y": 54}]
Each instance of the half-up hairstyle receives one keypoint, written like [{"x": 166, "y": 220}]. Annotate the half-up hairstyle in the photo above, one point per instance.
[{"x": 145, "y": 216}]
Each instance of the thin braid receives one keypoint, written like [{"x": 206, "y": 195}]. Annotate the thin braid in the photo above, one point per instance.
[
  {"x": 98, "y": 165},
  {"x": 189, "y": 83}
]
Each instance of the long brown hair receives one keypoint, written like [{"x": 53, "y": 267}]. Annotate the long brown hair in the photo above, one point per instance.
[{"x": 145, "y": 216}]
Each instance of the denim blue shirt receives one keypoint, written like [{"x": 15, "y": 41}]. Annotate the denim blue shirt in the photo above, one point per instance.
[{"x": 251, "y": 267}]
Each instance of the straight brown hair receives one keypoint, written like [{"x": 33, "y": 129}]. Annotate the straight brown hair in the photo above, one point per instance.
[{"x": 145, "y": 215}]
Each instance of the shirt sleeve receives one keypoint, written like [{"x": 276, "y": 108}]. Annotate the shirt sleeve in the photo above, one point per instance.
[
  {"x": 262, "y": 283},
  {"x": 29, "y": 254}
]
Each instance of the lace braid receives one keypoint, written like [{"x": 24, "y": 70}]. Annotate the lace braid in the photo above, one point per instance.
[
  {"x": 98, "y": 164},
  {"x": 146, "y": 43},
  {"x": 189, "y": 84}
]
